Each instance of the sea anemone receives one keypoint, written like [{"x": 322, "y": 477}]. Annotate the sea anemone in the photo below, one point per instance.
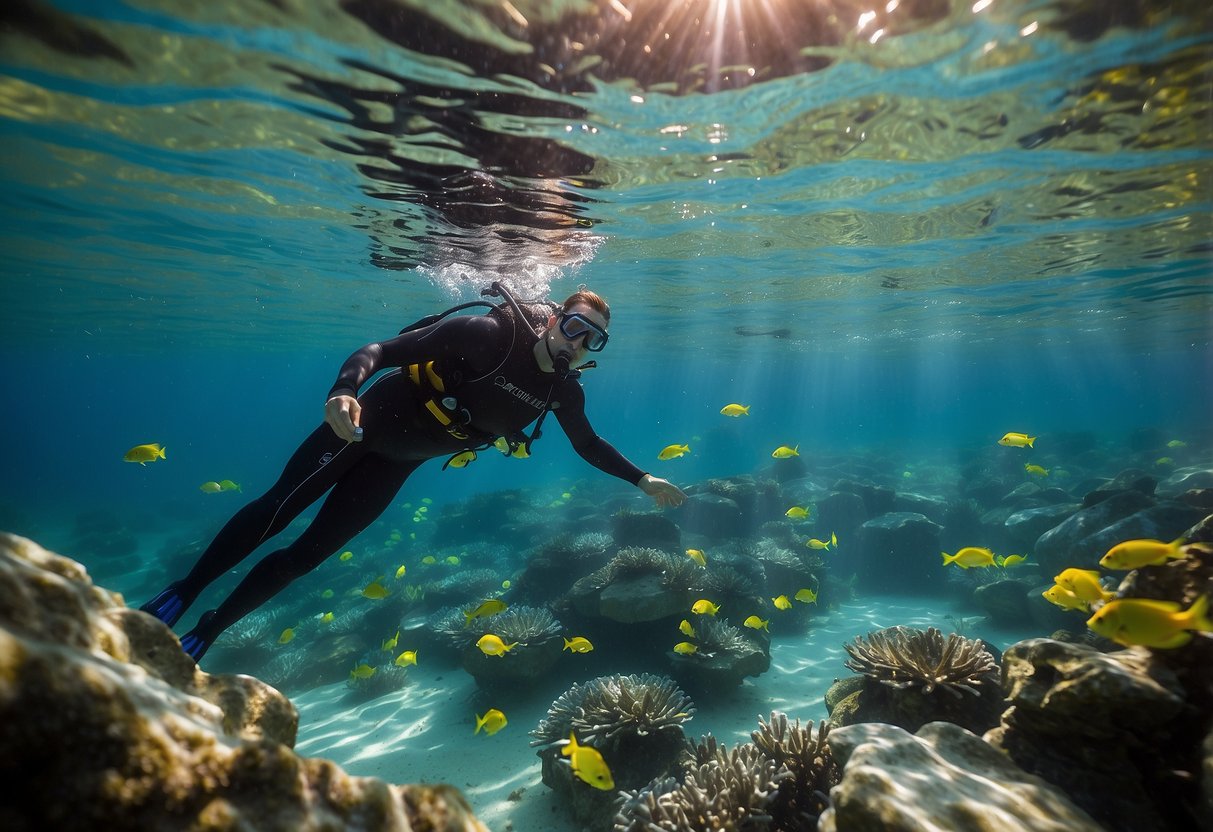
[
  {"x": 257, "y": 629},
  {"x": 728, "y": 580},
  {"x": 530, "y": 626},
  {"x": 637, "y": 561},
  {"x": 386, "y": 679},
  {"x": 592, "y": 543},
  {"x": 605, "y": 709},
  {"x": 716, "y": 636},
  {"x": 469, "y": 583},
  {"x": 450, "y": 624},
  {"x": 904, "y": 657}
]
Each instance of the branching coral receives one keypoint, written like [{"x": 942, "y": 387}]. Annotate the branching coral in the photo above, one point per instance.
[
  {"x": 604, "y": 709},
  {"x": 803, "y": 797},
  {"x": 903, "y": 657},
  {"x": 592, "y": 543}
]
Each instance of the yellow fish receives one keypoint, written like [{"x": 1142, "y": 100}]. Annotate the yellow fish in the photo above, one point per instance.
[
  {"x": 1164, "y": 461},
  {"x": 400, "y": 572},
  {"x": 814, "y": 543},
  {"x": 328, "y": 593},
  {"x": 686, "y": 629},
  {"x": 506, "y": 584},
  {"x": 806, "y": 596},
  {"x": 578, "y": 644},
  {"x": 143, "y": 454},
  {"x": 327, "y": 618},
  {"x": 486, "y": 608},
  {"x": 784, "y": 452},
  {"x": 287, "y": 635},
  {"x": 1133, "y": 554},
  {"x": 429, "y": 560},
  {"x": 1017, "y": 440},
  {"x": 345, "y": 555},
  {"x": 390, "y": 643},
  {"x": 673, "y": 451},
  {"x": 705, "y": 607},
  {"x": 833, "y": 539},
  {"x": 492, "y": 645},
  {"x": 588, "y": 764},
  {"x": 1036, "y": 470},
  {"x": 735, "y": 410},
  {"x": 685, "y": 648},
  {"x": 1151, "y": 623},
  {"x": 362, "y": 671},
  {"x": 492, "y": 722},
  {"x": 797, "y": 513},
  {"x": 970, "y": 557},
  {"x": 228, "y": 485},
  {"x": 376, "y": 591},
  {"x": 461, "y": 460},
  {"x": 406, "y": 658},
  {"x": 1064, "y": 598},
  {"x": 782, "y": 603},
  {"x": 697, "y": 556},
  {"x": 756, "y": 623},
  {"x": 1011, "y": 560},
  {"x": 210, "y": 488},
  {"x": 1084, "y": 583},
  {"x": 1177, "y": 443},
  {"x": 453, "y": 560}
]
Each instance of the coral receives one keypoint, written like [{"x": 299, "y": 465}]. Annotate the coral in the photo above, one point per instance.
[
  {"x": 727, "y": 790},
  {"x": 450, "y": 624},
  {"x": 714, "y": 636},
  {"x": 727, "y": 580},
  {"x": 592, "y": 543},
  {"x": 637, "y": 561},
  {"x": 603, "y": 709},
  {"x": 903, "y": 657},
  {"x": 529, "y": 626},
  {"x": 259, "y": 628},
  {"x": 805, "y": 795},
  {"x": 465, "y": 584},
  {"x": 387, "y": 678}
]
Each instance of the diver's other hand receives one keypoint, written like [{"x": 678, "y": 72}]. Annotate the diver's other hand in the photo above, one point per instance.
[
  {"x": 663, "y": 492},
  {"x": 343, "y": 414}
]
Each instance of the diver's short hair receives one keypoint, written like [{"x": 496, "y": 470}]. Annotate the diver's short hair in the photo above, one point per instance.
[{"x": 591, "y": 299}]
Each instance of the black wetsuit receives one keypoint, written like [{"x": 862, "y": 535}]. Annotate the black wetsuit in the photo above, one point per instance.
[{"x": 490, "y": 366}]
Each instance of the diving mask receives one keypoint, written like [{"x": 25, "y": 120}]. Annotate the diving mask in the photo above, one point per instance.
[{"x": 574, "y": 325}]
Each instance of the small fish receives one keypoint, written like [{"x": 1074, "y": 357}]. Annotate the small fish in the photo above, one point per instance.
[
  {"x": 210, "y": 488},
  {"x": 461, "y": 460},
  {"x": 1149, "y": 623},
  {"x": 578, "y": 644},
  {"x": 1177, "y": 443},
  {"x": 429, "y": 560},
  {"x": 228, "y": 485},
  {"x": 806, "y": 596},
  {"x": 346, "y": 555},
  {"x": 1036, "y": 470},
  {"x": 287, "y": 636},
  {"x": 1164, "y": 462},
  {"x": 389, "y": 644},
  {"x": 833, "y": 539},
  {"x": 814, "y": 543},
  {"x": 1084, "y": 583},
  {"x": 1011, "y": 560},
  {"x": 327, "y": 618},
  {"x": 686, "y": 629},
  {"x": 486, "y": 608},
  {"x": 784, "y": 452},
  {"x": 362, "y": 671},
  {"x": 735, "y": 410},
  {"x": 697, "y": 556},
  {"x": 685, "y": 648},
  {"x": 1017, "y": 440},
  {"x": 756, "y": 623},
  {"x": 327, "y": 594},
  {"x": 492, "y": 645},
  {"x": 506, "y": 584},
  {"x": 782, "y": 603},
  {"x": 492, "y": 722},
  {"x": 705, "y": 607},
  {"x": 797, "y": 513},
  {"x": 588, "y": 764},
  {"x": 427, "y": 501},
  {"x": 376, "y": 591},
  {"x": 970, "y": 557},
  {"x": 406, "y": 658},
  {"x": 143, "y": 454},
  {"x": 1064, "y": 598},
  {"x": 453, "y": 560},
  {"x": 400, "y": 572},
  {"x": 1133, "y": 554},
  {"x": 673, "y": 451}
]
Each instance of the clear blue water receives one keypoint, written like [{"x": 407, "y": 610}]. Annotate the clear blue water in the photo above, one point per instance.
[{"x": 979, "y": 222}]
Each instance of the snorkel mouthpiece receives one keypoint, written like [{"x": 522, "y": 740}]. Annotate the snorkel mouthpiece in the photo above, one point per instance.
[{"x": 561, "y": 362}]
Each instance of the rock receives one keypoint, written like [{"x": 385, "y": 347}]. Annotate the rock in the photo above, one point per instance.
[
  {"x": 1047, "y": 616},
  {"x": 899, "y": 551},
  {"x": 710, "y": 515},
  {"x": 106, "y": 724},
  {"x": 642, "y": 599},
  {"x": 877, "y": 499},
  {"x": 1005, "y": 602},
  {"x": 943, "y": 778},
  {"x": 1185, "y": 479},
  {"x": 1202, "y": 498},
  {"x": 1058, "y": 548},
  {"x": 1165, "y": 521},
  {"x": 647, "y": 528},
  {"x": 1024, "y": 528},
  {"x": 934, "y": 509},
  {"x": 841, "y": 689},
  {"x": 1130, "y": 479},
  {"x": 722, "y": 670},
  {"x": 841, "y": 512},
  {"x": 1111, "y": 729}
]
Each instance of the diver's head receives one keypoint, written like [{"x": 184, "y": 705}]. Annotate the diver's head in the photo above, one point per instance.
[{"x": 577, "y": 330}]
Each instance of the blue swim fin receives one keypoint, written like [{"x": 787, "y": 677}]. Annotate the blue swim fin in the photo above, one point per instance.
[
  {"x": 168, "y": 606},
  {"x": 195, "y": 643}
]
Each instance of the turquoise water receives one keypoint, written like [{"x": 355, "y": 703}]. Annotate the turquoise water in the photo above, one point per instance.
[{"x": 898, "y": 238}]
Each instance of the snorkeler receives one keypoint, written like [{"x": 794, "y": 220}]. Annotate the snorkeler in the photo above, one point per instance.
[{"x": 460, "y": 384}]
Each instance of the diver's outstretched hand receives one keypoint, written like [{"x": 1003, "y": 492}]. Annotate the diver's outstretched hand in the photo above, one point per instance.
[
  {"x": 343, "y": 414},
  {"x": 663, "y": 492}
]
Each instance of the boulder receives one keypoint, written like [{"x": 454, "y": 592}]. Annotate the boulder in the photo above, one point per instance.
[
  {"x": 710, "y": 515},
  {"x": 841, "y": 512},
  {"x": 877, "y": 499},
  {"x": 934, "y": 509},
  {"x": 106, "y": 724},
  {"x": 899, "y": 551},
  {"x": 1165, "y": 521},
  {"x": 942, "y": 778},
  {"x": 1023, "y": 528},
  {"x": 1059, "y": 547},
  {"x": 1130, "y": 479},
  {"x": 648, "y": 528},
  {"x": 1185, "y": 479},
  {"x": 1005, "y": 602}
]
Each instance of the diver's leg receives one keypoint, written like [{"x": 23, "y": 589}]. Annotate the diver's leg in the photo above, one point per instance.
[
  {"x": 356, "y": 500},
  {"x": 312, "y": 469}
]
